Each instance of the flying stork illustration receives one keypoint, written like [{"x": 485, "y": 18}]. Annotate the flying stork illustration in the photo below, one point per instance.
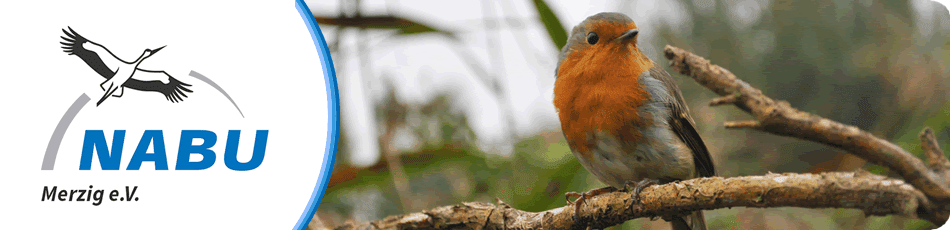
[{"x": 121, "y": 74}]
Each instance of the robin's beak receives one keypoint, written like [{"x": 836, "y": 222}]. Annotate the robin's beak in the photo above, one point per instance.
[{"x": 628, "y": 35}]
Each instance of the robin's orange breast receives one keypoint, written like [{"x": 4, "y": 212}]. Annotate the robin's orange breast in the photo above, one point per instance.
[
  {"x": 620, "y": 131},
  {"x": 601, "y": 97}
]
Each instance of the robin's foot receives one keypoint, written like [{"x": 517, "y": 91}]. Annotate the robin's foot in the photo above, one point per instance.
[
  {"x": 581, "y": 198},
  {"x": 637, "y": 187}
]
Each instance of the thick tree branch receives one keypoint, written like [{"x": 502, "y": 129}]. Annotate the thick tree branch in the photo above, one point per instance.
[
  {"x": 873, "y": 194},
  {"x": 778, "y": 117},
  {"x": 926, "y": 196}
]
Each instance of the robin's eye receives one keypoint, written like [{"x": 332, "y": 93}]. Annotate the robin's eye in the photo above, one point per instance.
[{"x": 592, "y": 38}]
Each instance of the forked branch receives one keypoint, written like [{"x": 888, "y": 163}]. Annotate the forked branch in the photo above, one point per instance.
[
  {"x": 925, "y": 195},
  {"x": 780, "y": 118}
]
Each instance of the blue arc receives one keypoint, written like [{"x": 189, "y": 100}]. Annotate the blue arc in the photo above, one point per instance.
[{"x": 333, "y": 125}]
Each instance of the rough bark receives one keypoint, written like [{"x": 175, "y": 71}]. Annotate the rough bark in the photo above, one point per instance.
[
  {"x": 925, "y": 195},
  {"x": 780, "y": 118},
  {"x": 873, "y": 194}
]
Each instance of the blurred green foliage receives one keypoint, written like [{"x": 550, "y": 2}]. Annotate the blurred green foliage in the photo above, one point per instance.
[
  {"x": 403, "y": 26},
  {"x": 862, "y": 63},
  {"x": 552, "y": 24}
]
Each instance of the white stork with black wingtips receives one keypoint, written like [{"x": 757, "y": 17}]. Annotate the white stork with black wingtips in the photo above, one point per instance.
[{"x": 121, "y": 74}]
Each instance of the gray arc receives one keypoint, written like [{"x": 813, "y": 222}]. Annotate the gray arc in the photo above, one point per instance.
[{"x": 52, "y": 148}]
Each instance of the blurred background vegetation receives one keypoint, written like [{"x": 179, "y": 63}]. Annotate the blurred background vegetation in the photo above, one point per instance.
[{"x": 450, "y": 101}]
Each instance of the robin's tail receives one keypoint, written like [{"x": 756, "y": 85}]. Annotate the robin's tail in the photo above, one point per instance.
[{"x": 694, "y": 221}]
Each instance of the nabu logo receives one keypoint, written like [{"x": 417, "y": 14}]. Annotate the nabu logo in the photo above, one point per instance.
[
  {"x": 109, "y": 159},
  {"x": 120, "y": 74}
]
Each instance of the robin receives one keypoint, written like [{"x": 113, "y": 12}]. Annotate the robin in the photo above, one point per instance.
[{"x": 623, "y": 116}]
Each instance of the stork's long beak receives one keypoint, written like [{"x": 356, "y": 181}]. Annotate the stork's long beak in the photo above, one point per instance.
[
  {"x": 156, "y": 50},
  {"x": 628, "y": 35}
]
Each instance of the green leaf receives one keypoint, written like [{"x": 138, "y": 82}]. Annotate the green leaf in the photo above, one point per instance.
[
  {"x": 404, "y": 26},
  {"x": 551, "y": 23}
]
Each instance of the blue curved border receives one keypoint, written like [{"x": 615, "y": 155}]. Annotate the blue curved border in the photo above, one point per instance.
[{"x": 333, "y": 132}]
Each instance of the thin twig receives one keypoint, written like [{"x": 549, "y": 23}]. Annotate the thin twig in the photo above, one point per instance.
[
  {"x": 724, "y": 100},
  {"x": 926, "y": 195},
  {"x": 780, "y": 118},
  {"x": 743, "y": 125},
  {"x": 935, "y": 157}
]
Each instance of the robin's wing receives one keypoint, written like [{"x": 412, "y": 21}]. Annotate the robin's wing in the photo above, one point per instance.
[{"x": 683, "y": 125}]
